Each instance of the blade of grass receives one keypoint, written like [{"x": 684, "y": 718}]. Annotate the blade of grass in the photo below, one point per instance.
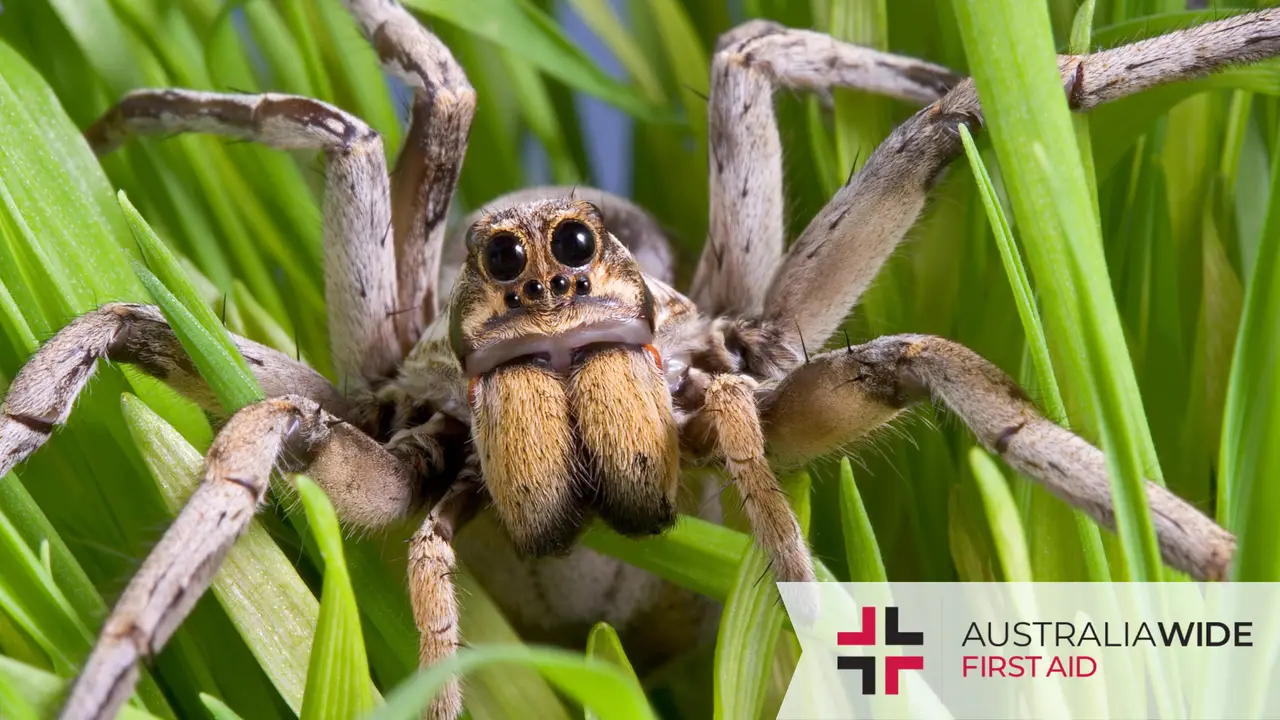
[
  {"x": 600, "y": 17},
  {"x": 1081, "y": 40},
  {"x": 197, "y": 327},
  {"x": 217, "y": 708},
  {"x": 696, "y": 554},
  {"x": 603, "y": 644},
  {"x": 1249, "y": 456},
  {"x": 1048, "y": 529},
  {"x": 865, "y": 563},
  {"x": 752, "y": 624},
  {"x": 338, "y": 674},
  {"x": 595, "y": 684},
  {"x": 543, "y": 44},
  {"x": 1002, "y": 515},
  {"x": 497, "y": 692},
  {"x": 43, "y": 691},
  {"x": 1014, "y": 65},
  {"x": 12, "y": 704},
  {"x": 30, "y": 598}
]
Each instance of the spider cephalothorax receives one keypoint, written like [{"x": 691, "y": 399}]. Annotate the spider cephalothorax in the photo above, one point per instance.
[
  {"x": 553, "y": 325},
  {"x": 567, "y": 377}
]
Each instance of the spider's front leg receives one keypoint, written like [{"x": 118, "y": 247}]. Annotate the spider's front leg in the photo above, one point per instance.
[
  {"x": 728, "y": 426},
  {"x": 431, "y": 566},
  {"x": 842, "y": 395},
  {"x": 236, "y": 477},
  {"x": 45, "y": 390},
  {"x": 370, "y": 486}
]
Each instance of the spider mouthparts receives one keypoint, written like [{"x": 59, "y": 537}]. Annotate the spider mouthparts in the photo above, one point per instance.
[{"x": 559, "y": 348}]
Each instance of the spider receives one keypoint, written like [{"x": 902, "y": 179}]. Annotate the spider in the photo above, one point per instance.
[{"x": 557, "y": 375}]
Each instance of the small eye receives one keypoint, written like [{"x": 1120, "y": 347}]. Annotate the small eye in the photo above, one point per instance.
[
  {"x": 504, "y": 258},
  {"x": 572, "y": 243}
]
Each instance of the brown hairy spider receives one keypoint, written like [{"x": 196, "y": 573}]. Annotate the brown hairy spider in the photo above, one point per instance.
[{"x": 568, "y": 379}]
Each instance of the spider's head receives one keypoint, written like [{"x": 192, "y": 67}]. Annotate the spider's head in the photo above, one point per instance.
[
  {"x": 542, "y": 281},
  {"x": 570, "y": 412}
]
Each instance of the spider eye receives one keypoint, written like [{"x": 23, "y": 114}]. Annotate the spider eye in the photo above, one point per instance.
[
  {"x": 572, "y": 243},
  {"x": 504, "y": 257}
]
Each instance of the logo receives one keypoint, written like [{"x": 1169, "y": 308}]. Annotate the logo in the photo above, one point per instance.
[{"x": 894, "y": 636}]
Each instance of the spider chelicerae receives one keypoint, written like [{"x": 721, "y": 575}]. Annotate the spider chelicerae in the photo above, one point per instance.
[{"x": 555, "y": 375}]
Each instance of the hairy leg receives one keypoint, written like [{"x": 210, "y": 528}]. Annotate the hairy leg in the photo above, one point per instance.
[
  {"x": 746, "y": 235},
  {"x": 44, "y": 391},
  {"x": 360, "y": 282},
  {"x": 847, "y": 243},
  {"x": 427, "y": 171},
  {"x": 431, "y": 566},
  {"x": 728, "y": 426},
  {"x": 842, "y": 395},
  {"x": 237, "y": 472}
]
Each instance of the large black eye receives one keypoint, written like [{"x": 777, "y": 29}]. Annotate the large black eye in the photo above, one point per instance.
[
  {"x": 572, "y": 243},
  {"x": 504, "y": 257}
]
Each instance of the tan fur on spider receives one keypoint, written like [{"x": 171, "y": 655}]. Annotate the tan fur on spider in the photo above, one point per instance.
[{"x": 568, "y": 377}]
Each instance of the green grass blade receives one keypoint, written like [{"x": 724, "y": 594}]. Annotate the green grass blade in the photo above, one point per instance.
[
  {"x": 538, "y": 111},
  {"x": 696, "y": 554},
  {"x": 543, "y": 44},
  {"x": 1081, "y": 41},
  {"x": 687, "y": 60},
  {"x": 861, "y": 548},
  {"x": 600, "y": 17},
  {"x": 596, "y": 684},
  {"x": 752, "y": 624},
  {"x": 1017, "y": 274},
  {"x": 1249, "y": 456},
  {"x": 338, "y": 675},
  {"x": 217, "y": 708},
  {"x": 1051, "y": 524},
  {"x": 197, "y": 327},
  {"x": 749, "y": 632},
  {"x": 17, "y": 505},
  {"x": 497, "y": 692},
  {"x": 1012, "y": 58},
  {"x": 603, "y": 644},
  {"x": 44, "y": 692},
  {"x": 12, "y": 704},
  {"x": 1002, "y": 515},
  {"x": 29, "y": 596}
]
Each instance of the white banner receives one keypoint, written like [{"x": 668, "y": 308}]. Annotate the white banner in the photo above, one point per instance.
[{"x": 1034, "y": 650}]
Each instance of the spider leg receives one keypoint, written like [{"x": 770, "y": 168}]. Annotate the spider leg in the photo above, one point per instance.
[
  {"x": 842, "y": 395},
  {"x": 44, "y": 391},
  {"x": 431, "y": 566},
  {"x": 360, "y": 283},
  {"x": 730, "y": 420},
  {"x": 746, "y": 232},
  {"x": 427, "y": 170},
  {"x": 847, "y": 243},
  {"x": 237, "y": 471}
]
